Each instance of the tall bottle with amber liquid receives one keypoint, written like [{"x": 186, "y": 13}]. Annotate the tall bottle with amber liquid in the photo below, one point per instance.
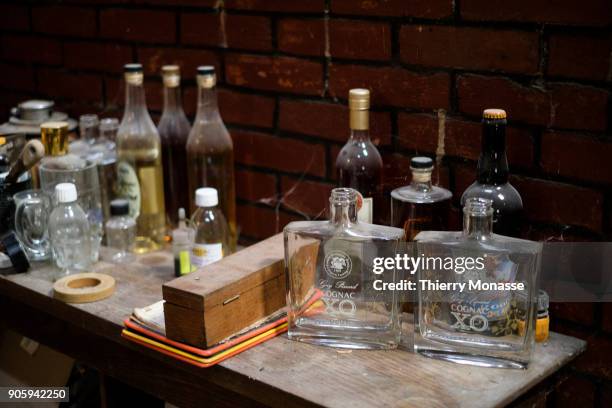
[
  {"x": 210, "y": 151},
  {"x": 359, "y": 165},
  {"x": 174, "y": 130},
  {"x": 139, "y": 168}
]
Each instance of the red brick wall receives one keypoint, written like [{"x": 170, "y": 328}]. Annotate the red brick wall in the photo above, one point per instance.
[{"x": 285, "y": 67}]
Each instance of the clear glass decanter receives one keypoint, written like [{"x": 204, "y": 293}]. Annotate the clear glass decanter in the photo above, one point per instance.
[
  {"x": 330, "y": 282},
  {"x": 490, "y": 321}
]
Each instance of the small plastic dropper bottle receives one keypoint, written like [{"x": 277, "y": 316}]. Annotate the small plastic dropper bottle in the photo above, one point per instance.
[{"x": 182, "y": 243}]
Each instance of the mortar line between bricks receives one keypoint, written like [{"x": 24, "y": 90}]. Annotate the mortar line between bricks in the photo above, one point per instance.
[
  {"x": 327, "y": 49},
  {"x": 454, "y": 20},
  {"x": 523, "y": 79},
  {"x": 283, "y": 173},
  {"x": 543, "y": 39},
  {"x": 417, "y": 69}
]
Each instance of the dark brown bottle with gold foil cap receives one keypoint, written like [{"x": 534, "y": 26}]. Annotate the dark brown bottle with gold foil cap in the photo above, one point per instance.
[
  {"x": 210, "y": 151},
  {"x": 359, "y": 165},
  {"x": 174, "y": 130},
  {"x": 492, "y": 176}
]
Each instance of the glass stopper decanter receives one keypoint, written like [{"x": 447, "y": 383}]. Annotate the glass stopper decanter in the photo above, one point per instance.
[{"x": 331, "y": 290}]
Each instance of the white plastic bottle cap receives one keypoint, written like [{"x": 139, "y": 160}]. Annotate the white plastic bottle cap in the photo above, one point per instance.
[
  {"x": 207, "y": 197},
  {"x": 65, "y": 192}
]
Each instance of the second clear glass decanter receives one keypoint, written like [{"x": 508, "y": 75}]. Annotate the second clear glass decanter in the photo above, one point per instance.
[
  {"x": 331, "y": 289},
  {"x": 477, "y": 293}
]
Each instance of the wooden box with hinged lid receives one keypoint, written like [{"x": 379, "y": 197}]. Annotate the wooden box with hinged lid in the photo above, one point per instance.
[{"x": 218, "y": 300}]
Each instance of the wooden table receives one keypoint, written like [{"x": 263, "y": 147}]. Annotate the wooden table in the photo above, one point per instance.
[{"x": 277, "y": 373}]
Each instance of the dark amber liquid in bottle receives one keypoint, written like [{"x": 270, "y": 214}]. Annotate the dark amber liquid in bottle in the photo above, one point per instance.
[
  {"x": 174, "y": 160},
  {"x": 173, "y": 131},
  {"x": 420, "y": 206},
  {"x": 359, "y": 166},
  {"x": 416, "y": 217},
  {"x": 492, "y": 180}
]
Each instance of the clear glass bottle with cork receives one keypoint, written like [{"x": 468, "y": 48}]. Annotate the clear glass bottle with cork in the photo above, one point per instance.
[
  {"x": 359, "y": 164},
  {"x": 210, "y": 151},
  {"x": 174, "y": 130},
  {"x": 139, "y": 165}
]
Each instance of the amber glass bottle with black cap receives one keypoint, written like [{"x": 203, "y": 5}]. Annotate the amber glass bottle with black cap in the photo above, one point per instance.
[
  {"x": 210, "y": 151},
  {"x": 420, "y": 206},
  {"x": 359, "y": 164},
  {"x": 492, "y": 176}
]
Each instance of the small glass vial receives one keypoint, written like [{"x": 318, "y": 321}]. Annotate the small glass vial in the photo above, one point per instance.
[
  {"x": 211, "y": 230},
  {"x": 542, "y": 327},
  {"x": 543, "y": 318},
  {"x": 121, "y": 231},
  {"x": 89, "y": 127},
  {"x": 182, "y": 245},
  {"x": 108, "y": 129},
  {"x": 69, "y": 232},
  {"x": 480, "y": 307},
  {"x": 420, "y": 206},
  {"x": 332, "y": 292}
]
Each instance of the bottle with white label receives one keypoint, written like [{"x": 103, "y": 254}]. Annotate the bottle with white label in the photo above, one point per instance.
[
  {"x": 359, "y": 164},
  {"x": 212, "y": 233}
]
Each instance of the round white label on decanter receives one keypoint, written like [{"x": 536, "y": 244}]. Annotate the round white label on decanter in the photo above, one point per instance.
[{"x": 338, "y": 264}]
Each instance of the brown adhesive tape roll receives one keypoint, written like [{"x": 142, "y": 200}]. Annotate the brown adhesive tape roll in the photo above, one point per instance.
[{"x": 84, "y": 287}]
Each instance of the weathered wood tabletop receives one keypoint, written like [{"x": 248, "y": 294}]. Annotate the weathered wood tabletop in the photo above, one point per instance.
[{"x": 277, "y": 373}]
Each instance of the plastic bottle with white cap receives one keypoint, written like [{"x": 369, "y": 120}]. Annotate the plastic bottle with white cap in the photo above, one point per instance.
[
  {"x": 212, "y": 233},
  {"x": 69, "y": 232}
]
